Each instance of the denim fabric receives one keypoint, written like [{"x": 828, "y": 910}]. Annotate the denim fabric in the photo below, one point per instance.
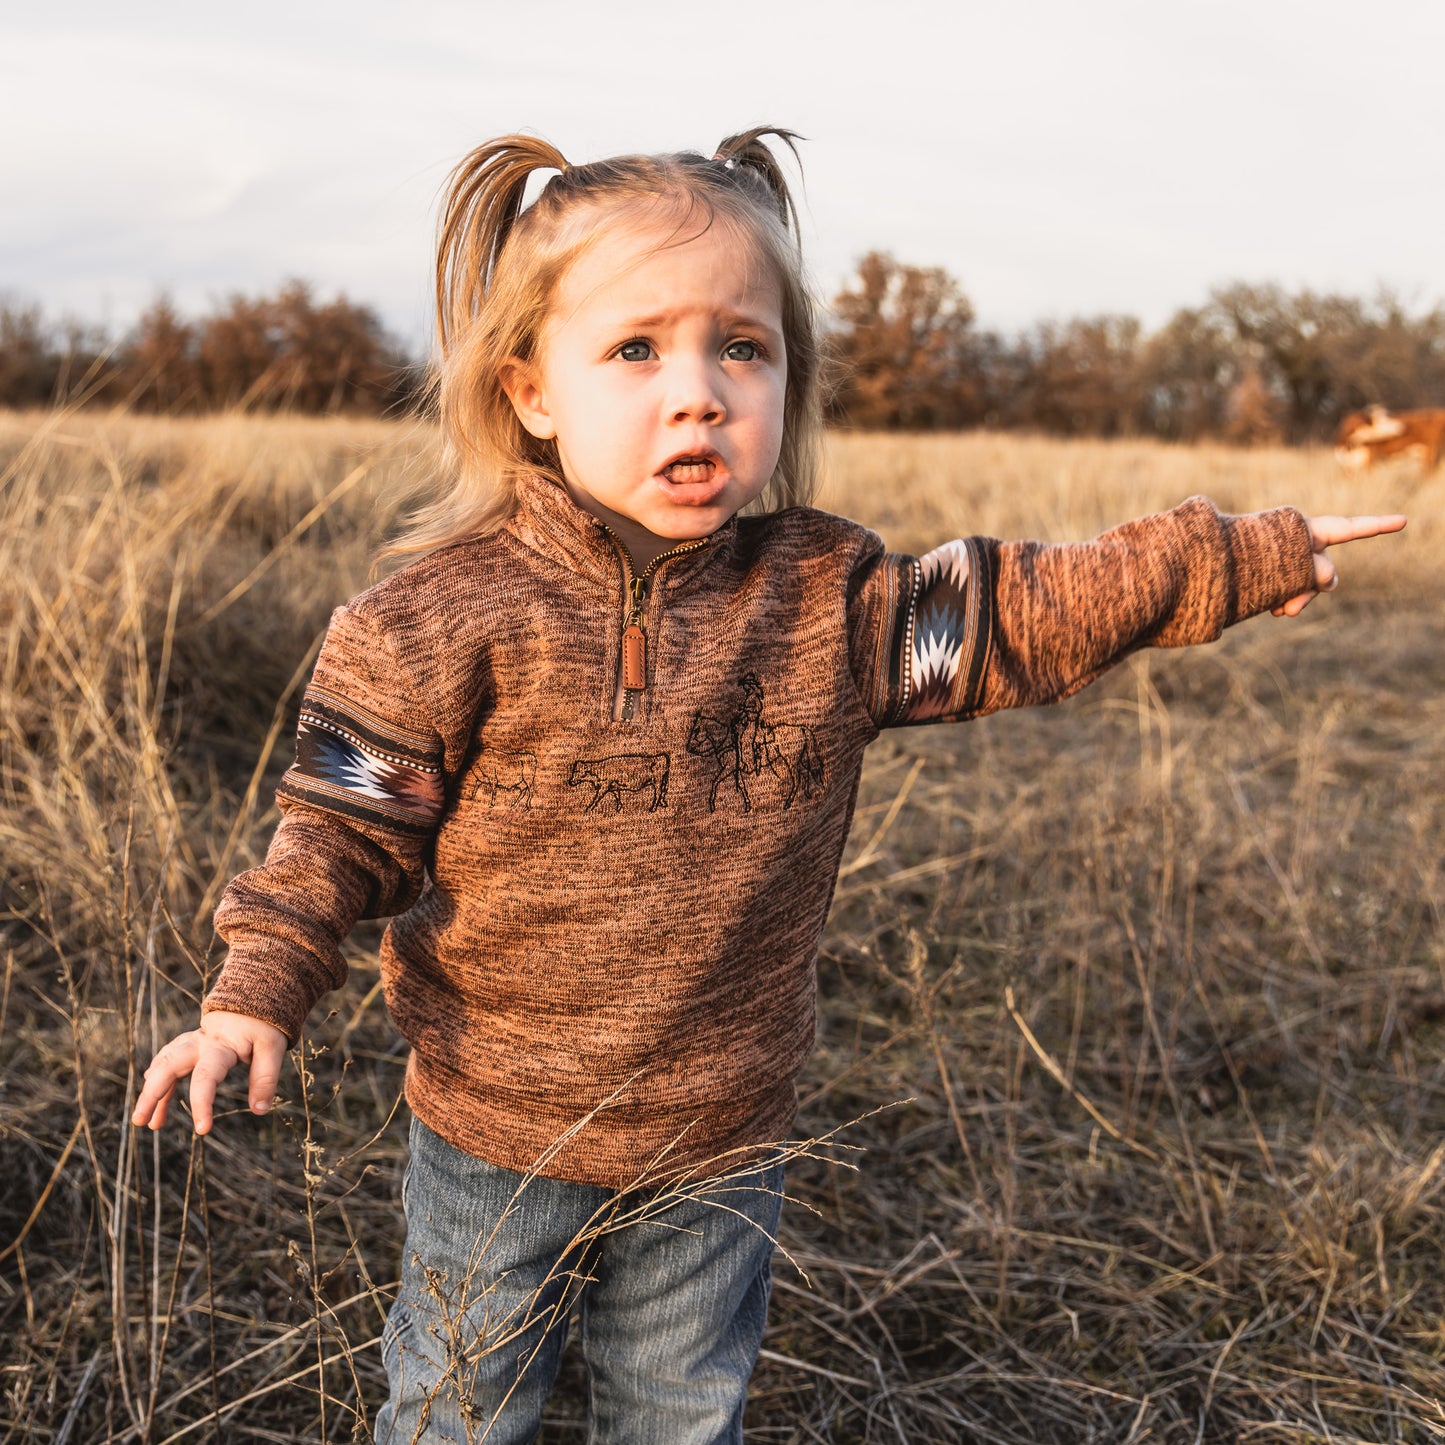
[{"x": 673, "y": 1293}]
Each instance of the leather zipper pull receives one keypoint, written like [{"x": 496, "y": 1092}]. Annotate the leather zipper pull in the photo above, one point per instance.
[
  {"x": 634, "y": 658},
  {"x": 634, "y": 641}
]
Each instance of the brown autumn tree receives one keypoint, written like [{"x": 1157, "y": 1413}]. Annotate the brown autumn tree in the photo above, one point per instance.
[
  {"x": 158, "y": 372},
  {"x": 1254, "y": 413},
  {"x": 1082, "y": 377},
  {"x": 29, "y": 359},
  {"x": 901, "y": 349},
  {"x": 1186, "y": 371},
  {"x": 1327, "y": 354},
  {"x": 1255, "y": 362},
  {"x": 287, "y": 352},
  {"x": 236, "y": 352},
  {"x": 1294, "y": 336},
  {"x": 330, "y": 358},
  {"x": 1388, "y": 356}
]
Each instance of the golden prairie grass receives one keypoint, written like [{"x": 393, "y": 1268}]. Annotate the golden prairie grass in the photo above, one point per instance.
[{"x": 1153, "y": 981}]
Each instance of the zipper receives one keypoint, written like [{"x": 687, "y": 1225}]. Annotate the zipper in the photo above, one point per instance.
[{"x": 633, "y": 662}]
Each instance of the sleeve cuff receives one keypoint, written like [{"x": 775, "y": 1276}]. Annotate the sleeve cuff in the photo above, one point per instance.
[
  {"x": 1272, "y": 559},
  {"x": 250, "y": 983}
]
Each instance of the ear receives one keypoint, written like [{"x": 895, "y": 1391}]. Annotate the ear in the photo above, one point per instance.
[{"x": 523, "y": 386}]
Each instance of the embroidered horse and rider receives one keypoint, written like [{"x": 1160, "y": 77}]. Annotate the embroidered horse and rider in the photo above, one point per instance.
[{"x": 781, "y": 759}]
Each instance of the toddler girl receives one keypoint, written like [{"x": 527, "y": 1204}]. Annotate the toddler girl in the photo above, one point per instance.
[{"x": 595, "y": 754}]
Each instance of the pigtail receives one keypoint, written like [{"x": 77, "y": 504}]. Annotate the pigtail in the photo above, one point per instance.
[
  {"x": 747, "y": 152},
  {"x": 483, "y": 201},
  {"x": 753, "y": 168}
]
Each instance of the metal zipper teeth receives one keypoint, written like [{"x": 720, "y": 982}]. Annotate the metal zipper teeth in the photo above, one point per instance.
[{"x": 634, "y": 606}]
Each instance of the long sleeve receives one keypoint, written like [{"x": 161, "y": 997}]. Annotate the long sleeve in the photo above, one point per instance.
[
  {"x": 359, "y": 808},
  {"x": 978, "y": 625}
]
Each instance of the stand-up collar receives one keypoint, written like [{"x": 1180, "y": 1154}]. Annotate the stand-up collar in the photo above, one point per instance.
[{"x": 549, "y": 522}]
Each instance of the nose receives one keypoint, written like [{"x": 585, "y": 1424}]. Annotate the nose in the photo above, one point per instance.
[{"x": 695, "y": 393}]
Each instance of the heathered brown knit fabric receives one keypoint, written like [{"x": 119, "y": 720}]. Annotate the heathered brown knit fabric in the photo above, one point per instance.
[{"x": 619, "y": 919}]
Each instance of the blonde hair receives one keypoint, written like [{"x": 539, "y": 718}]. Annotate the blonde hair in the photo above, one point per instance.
[{"x": 498, "y": 268}]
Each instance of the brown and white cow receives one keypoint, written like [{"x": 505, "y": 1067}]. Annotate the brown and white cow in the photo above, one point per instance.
[{"x": 1377, "y": 434}]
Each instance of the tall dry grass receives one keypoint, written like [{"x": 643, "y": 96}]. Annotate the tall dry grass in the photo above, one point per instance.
[{"x": 1152, "y": 982}]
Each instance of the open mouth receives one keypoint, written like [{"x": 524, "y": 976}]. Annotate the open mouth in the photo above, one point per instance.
[{"x": 696, "y": 468}]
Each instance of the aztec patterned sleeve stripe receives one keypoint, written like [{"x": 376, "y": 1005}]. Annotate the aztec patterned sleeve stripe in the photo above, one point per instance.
[
  {"x": 349, "y": 761},
  {"x": 936, "y": 634}
]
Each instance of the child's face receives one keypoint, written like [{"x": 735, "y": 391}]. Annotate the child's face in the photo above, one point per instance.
[{"x": 661, "y": 375}]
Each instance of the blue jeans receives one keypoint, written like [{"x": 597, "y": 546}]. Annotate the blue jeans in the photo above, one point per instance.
[{"x": 673, "y": 1291}]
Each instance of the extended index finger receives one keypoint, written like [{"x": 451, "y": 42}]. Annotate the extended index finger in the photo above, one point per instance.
[{"x": 1327, "y": 531}]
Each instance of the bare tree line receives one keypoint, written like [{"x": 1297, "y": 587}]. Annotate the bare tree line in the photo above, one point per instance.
[
  {"x": 266, "y": 353},
  {"x": 1254, "y": 363}
]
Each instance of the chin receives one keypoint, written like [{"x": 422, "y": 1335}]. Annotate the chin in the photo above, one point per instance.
[
  {"x": 687, "y": 534},
  {"x": 702, "y": 522}
]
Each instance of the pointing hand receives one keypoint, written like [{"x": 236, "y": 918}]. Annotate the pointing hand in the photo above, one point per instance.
[{"x": 1326, "y": 532}]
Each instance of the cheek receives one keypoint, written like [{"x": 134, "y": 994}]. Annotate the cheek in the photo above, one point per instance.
[
  {"x": 777, "y": 411},
  {"x": 586, "y": 411}
]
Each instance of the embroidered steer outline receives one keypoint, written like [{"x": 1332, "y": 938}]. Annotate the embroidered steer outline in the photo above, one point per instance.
[
  {"x": 500, "y": 770},
  {"x": 623, "y": 774}
]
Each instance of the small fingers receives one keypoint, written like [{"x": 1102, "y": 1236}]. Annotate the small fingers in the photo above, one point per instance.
[
  {"x": 266, "y": 1058},
  {"x": 207, "y": 1055},
  {"x": 213, "y": 1063},
  {"x": 170, "y": 1065},
  {"x": 1294, "y": 606},
  {"x": 153, "y": 1105}
]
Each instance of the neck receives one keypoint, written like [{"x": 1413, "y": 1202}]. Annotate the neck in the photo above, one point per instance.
[{"x": 643, "y": 547}]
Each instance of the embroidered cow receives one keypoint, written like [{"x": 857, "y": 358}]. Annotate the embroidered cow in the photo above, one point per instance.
[
  {"x": 499, "y": 770},
  {"x": 791, "y": 755},
  {"x": 623, "y": 776}
]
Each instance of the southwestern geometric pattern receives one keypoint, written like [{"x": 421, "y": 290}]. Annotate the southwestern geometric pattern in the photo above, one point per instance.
[
  {"x": 943, "y": 634},
  {"x": 350, "y": 761}
]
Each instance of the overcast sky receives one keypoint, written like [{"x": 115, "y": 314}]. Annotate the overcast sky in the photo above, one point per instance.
[{"x": 1059, "y": 157}]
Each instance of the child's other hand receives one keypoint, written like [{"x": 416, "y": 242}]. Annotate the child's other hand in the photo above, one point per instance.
[
  {"x": 1326, "y": 532},
  {"x": 208, "y": 1054}
]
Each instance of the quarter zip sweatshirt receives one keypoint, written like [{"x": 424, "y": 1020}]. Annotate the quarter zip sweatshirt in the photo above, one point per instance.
[{"x": 603, "y": 930}]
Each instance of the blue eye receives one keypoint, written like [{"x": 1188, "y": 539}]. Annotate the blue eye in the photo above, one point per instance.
[
  {"x": 634, "y": 351},
  {"x": 743, "y": 351}
]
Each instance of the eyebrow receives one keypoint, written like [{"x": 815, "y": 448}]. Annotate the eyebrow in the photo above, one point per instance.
[{"x": 728, "y": 319}]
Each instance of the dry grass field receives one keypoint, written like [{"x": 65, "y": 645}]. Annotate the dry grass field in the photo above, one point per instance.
[{"x": 1133, "y": 1008}]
